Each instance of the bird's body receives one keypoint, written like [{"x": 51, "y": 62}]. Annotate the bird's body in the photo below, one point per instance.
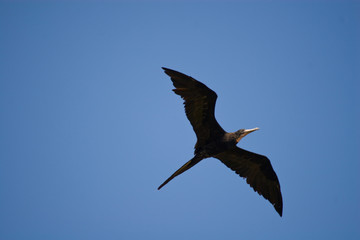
[
  {"x": 221, "y": 143},
  {"x": 213, "y": 141}
]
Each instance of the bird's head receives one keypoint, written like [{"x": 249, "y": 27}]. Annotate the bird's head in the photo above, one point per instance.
[{"x": 243, "y": 132}]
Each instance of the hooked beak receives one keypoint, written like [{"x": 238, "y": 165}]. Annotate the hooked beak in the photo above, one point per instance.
[{"x": 247, "y": 131}]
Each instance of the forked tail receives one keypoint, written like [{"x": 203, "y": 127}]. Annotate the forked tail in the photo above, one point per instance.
[{"x": 196, "y": 159}]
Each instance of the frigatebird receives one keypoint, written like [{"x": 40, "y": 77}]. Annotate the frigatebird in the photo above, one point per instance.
[{"x": 214, "y": 141}]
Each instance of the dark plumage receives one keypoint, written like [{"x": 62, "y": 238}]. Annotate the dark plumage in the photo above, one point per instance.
[{"x": 213, "y": 141}]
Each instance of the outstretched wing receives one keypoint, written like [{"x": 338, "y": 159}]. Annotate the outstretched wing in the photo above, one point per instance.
[
  {"x": 258, "y": 172},
  {"x": 199, "y": 101}
]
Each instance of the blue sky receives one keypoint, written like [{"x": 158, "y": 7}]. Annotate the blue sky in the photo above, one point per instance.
[{"x": 90, "y": 128}]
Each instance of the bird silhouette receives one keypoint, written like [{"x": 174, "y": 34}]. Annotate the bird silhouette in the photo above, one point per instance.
[{"x": 213, "y": 141}]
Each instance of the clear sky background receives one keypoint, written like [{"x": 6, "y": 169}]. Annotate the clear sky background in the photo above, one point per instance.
[{"x": 89, "y": 126}]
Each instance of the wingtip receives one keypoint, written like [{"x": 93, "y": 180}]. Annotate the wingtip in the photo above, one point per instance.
[
  {"x": 279, "y": 210},
  {"x": 167, "y": 70}
]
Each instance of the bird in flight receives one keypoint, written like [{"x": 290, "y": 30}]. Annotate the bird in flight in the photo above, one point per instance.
[{"x": 214, "y": 141}]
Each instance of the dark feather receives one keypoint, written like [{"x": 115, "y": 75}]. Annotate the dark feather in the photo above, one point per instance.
[
  {"x": 258, "y": 172},
  {"x": 199, "y": 101}
]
